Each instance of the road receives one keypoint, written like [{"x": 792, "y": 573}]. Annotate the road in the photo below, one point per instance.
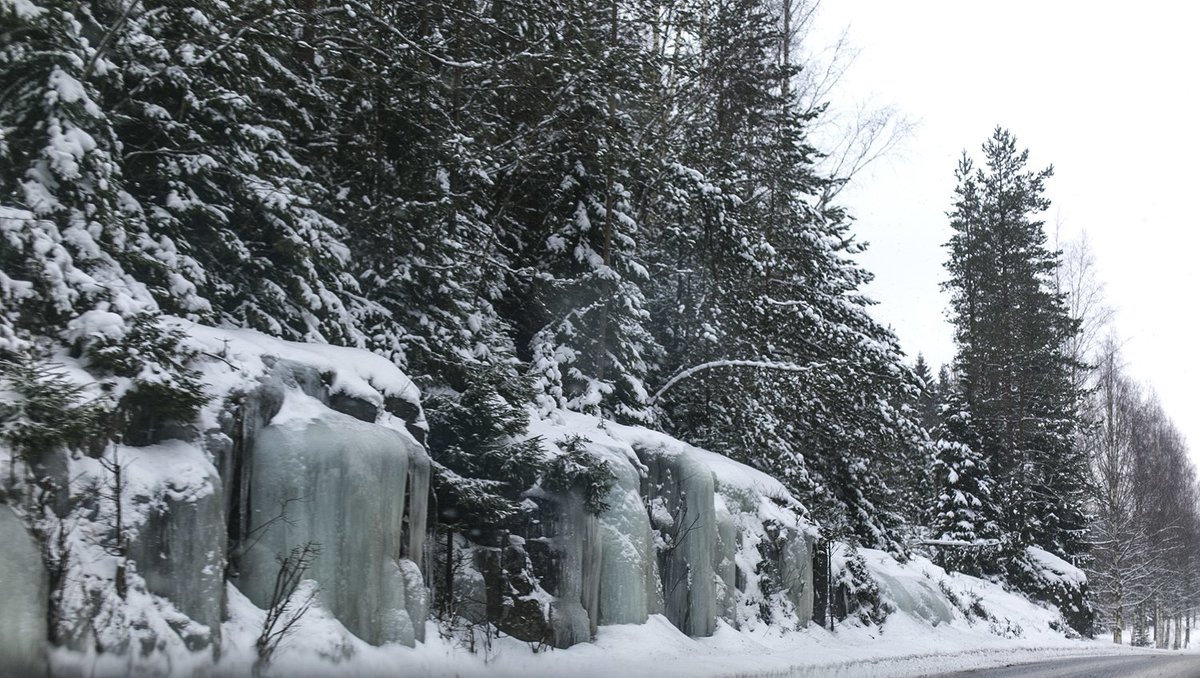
[{"x": 1126, "y": 666}]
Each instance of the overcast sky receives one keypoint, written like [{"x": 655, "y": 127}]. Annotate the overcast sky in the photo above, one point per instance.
[{"x": 1105, "y": 92}]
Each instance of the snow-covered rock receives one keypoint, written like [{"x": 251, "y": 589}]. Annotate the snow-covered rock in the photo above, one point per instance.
[
  {"x": 909, "y": 589},
  {"x": 178, "y": 544}
]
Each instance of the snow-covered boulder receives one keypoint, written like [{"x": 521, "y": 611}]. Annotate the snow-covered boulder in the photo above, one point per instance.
[
  {"x": 1060, "y": 583},
  {"x": 909, "y": 589},
  {"x": 23, "y": 589}
]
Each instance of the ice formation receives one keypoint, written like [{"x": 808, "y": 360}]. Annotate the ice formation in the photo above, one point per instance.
[
  {"x": 322, "y": 446},
  {"x": 23, "y": 590},
  {"x": 907, "y": 589},
  {"x": 687, "y": 533},
  {"x": 179, "y": 542},
  {"x": 325, "y": 478},
  {"x": 576, "y": 540},
  {"x": 685, "y": 558},
  {"x": 628, "y": 582}
]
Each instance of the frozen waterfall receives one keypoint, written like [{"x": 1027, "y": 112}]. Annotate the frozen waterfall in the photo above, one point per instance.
[
  {"x": 322, "y": 477},
  {"x": 23, "y": 590}
]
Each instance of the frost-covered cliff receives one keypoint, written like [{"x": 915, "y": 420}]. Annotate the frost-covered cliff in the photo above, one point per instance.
[{"x": 300, "y": 497}]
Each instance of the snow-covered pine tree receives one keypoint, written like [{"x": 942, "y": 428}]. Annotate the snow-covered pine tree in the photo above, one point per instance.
[
  {"x": 580, "y": 311},
  {"x": 79, "y": 263},
  {"x": 71, "y": 236},
  {"x": 753, "y": 277},
  {"x": 911, "y": 474},
  {"x": 212, "y": 104},
  {"x": 928, "y": 402},
  {"x": 408, "y": 153},
  {"x": 1012, "y": 328},
  {"x": 963, "y": 516}
]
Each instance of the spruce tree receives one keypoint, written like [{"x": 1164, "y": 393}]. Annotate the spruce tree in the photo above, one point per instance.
[
  {"x": 1012, "y": 329},
  {"x": 765, "y": 325},
  {"x": 211, "y": 103},
  {"x": 580, "y": 311},
  {"x": 71, "y": 236},
  {"x": 965, "y": 508}
]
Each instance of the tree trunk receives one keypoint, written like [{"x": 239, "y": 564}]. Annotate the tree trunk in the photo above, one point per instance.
[{"x": 1187, "y": 629}]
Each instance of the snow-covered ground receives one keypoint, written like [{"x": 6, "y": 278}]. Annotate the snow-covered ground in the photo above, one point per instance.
[
  {"x": 905, "y": 647},
  {"x": 910, "y": 643}
]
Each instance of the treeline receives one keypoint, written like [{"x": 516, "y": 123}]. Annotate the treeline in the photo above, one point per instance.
[
  {"x": 544, "y": 203},
  {"x": 1145, "y": 530},
  {"x": 1040, "y": 437}
]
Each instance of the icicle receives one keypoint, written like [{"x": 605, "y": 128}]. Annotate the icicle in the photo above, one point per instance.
[
  {"x": 569, "y": 621},
  {"x": 683, "y": 487},
  {"x": 416, "y": 563},
  {"x": 592, "y": 557},
  {"x": 723, "y": 563},
  {"x": 180, "y": 548},
  {"x": 628, "y": 576},
  {"x": 418, "y": 512},
  {"x": 795, "y": 571}
]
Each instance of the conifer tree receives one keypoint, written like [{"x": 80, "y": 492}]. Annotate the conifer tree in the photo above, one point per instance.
[
  {"x": 211, "y": 102},
  {"x": 765, "y": 322},
  {"x": 964, "y": 511},
  {"x": 582, "y": 317},
  {"x": 70, "y": 234},
  {"x": 1012, "y": 329}
]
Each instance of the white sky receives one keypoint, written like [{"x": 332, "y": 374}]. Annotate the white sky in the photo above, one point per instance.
[{"x": 1104, "y": 91}]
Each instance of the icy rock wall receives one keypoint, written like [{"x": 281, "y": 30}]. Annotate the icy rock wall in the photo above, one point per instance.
[
  {"x": 678, "y": 490},
  {"x": 179, "y": 548},
  {"x": 572, "y": 612},
  {"x": 628, "y": 579},
  {"x": 916, "y": 596},
  {"x": 795, "y": 572},
  {"x": 321, "y": 477},
  {"x": 683, "y": 532},
  {"x": 698, "y": 537},
  {"x": 724, "y": 561},
  {"x": 23, "y": 590}
]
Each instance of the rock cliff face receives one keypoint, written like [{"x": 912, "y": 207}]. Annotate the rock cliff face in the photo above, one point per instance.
[
  {"x": 322, "y": 447},
  {"x": 352, "y": 485},
  {"x": 301, "y": 445},
  {"x": 684, "y": 533},
  {"x": 340, "y": 485}
]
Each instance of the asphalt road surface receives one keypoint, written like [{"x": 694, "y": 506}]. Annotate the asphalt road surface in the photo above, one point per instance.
[{"x": 1126, "y": 666}]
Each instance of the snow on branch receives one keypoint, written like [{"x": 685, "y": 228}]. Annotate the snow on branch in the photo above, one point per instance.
[
  {"x": 760, "y": 364},
  {"x": 960, "y": 543}
]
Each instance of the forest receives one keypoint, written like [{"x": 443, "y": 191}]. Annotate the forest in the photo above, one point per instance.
[{"x": 621, "y": 209}]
